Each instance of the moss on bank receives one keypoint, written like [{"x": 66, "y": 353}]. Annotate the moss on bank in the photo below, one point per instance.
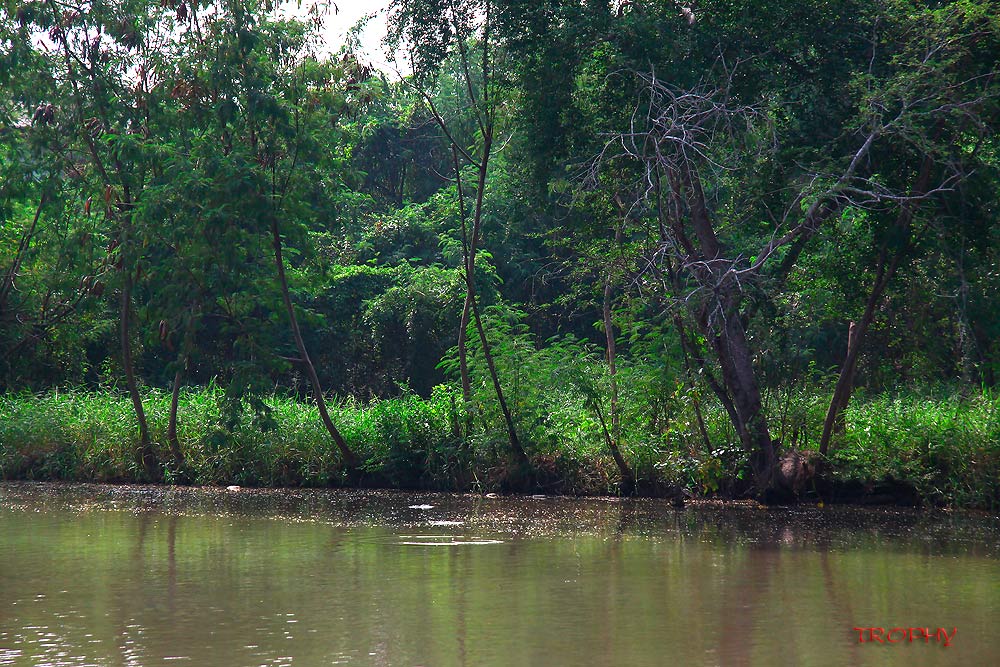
[{"x": 945, "y": 449}]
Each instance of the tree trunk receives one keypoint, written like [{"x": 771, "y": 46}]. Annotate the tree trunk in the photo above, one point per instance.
[
  {"x": 886, "y": 270},
  {"x": 852, "y": 350},
  {"x": 22, "y": 248},
  {"x": 348, "y": 457},
  {"x": 463, "y": 352},
  {"x": 172, "y": 440},
  {"x": 736, "y": 360},
  {"x": 845, "y": 380},
  {"x": 145, "y": 456},
  {"x": 520, "y": 456},
  {"x": 470, "y": 244},
  {"x": 467, "y": 266},
  {"x": 730, "y": 341},
  {"x": 183, "y": 359},
  {"x": 613, "y": 438}
]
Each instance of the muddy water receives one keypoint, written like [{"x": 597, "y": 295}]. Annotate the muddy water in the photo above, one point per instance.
[{"x": 93, "y": 575}]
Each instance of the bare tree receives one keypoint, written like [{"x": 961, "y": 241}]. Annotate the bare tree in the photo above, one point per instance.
[{"x": 689, "y": 145}]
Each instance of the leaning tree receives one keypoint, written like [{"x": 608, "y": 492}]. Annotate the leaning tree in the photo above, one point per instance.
[{"x": 738, "y": 194}]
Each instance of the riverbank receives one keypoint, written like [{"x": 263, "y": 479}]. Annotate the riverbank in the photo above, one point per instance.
[{"x": 911, "y": 449}]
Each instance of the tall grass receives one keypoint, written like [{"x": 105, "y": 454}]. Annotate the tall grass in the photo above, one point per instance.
[
  {"x": 407, "y": 441},
  {"x": 946, "y": 447}
]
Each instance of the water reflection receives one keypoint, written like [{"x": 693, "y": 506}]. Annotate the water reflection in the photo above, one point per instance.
[{"x": 133, "y": 576}]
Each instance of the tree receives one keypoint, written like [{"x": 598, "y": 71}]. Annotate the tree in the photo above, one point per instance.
[
  {"x": 103, "y": 115},
  {"x": 934, "y": 69},
  {"x": 729, "y": 173},
  {"x": 266, "y": 159},
  {"x": 461, "y": 35}
]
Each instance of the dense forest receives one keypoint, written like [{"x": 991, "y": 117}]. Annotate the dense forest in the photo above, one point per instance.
[{"x": 577, "y": 246}]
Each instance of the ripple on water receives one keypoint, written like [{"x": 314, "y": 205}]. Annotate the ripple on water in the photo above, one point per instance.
[{"x": 444, "y": 541}]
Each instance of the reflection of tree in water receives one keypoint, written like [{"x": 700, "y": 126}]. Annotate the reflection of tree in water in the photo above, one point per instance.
[
  {"x": 751, "y": 582},
  {"x": 130, "y": 630},
  {"x": 458, "y": 573},
  {"x": 841, "y": 604},
  {"x": 172, "y": 564}
]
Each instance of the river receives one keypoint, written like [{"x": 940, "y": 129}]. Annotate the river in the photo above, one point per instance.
[{"x": 126, "y": 575}]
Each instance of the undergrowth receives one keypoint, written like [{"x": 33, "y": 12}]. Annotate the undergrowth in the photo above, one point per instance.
[{"x": 945, "y": 447}]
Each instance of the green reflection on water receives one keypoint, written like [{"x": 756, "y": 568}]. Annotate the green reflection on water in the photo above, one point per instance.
[{"x": 99, "y": 576}]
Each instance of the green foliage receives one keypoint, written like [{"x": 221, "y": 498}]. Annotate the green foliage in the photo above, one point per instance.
[
  {"x": 147, "y": 152},
  {"x": 947, "y": 447},
  {"x": 944, "y": 446}
]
